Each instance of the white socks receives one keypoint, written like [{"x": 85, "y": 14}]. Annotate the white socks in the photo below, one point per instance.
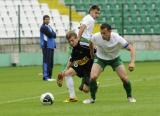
[{"x": 70, "y": 86}]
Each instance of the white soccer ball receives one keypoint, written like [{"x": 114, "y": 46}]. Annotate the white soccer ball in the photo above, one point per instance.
[{"x": 47, "y": 98}]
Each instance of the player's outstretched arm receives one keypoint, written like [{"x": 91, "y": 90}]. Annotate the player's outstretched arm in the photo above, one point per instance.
[
  {"x": 131, "y": 65},
  {"x": 69, "y": 64},
  {"x": 91, "y": 47},
  {"x": 81, "y": 30}
]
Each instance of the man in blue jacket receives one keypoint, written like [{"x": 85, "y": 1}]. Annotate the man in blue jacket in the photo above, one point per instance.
[{"x": 47, "y": 43}]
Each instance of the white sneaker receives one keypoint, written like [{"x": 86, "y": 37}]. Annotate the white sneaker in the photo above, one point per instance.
[
  {"x": 131, "y": 99},
  {"x": 50, "y": 80},
  {"x": 88, "y": 101}
]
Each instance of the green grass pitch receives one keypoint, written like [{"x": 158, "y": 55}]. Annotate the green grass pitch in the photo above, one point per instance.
[{"x": 20, "y": 88}]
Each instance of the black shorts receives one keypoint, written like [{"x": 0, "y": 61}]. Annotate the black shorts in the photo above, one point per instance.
[{"x": 84, "y": 72}]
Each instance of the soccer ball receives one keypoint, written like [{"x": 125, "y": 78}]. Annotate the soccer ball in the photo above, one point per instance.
[{"x": 47, "y": 98}]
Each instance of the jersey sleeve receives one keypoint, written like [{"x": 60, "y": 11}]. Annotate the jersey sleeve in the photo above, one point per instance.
[
  {"x": 93, "y": 39},
  {"x": 70, "y": 59},
  {"x": 122, "y": 41}
]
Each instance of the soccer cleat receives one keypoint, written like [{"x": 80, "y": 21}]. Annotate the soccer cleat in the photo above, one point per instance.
[
  {"x": 60, "y": 79},
  {"x": 131, "y": 100},
  {"x": 88, "y": 101},
  {"x": 71, "y": 100}
]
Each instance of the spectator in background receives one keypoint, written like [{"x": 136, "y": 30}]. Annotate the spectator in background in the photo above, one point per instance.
[{"x": 47, "y": 43}]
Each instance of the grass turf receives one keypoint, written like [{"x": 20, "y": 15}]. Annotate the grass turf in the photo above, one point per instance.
[{"x": 20, "y": 88}]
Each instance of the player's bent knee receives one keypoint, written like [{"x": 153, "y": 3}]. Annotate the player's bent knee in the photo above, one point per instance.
[
  {"x": 85, "y": 88},
  {"x": 85, "y": 91},
  {"x": 124, "y": 80},
  {"x": 93, "y": 78}
]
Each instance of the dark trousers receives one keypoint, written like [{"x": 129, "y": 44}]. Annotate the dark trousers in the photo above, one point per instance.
[{"x": 48, "y": 61}]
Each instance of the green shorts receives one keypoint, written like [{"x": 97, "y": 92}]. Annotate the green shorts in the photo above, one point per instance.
[{"x": 113, "y": 63}]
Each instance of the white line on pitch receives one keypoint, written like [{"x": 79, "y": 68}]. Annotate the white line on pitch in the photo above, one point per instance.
[
  {"x": 27, "y": 98},
  {"x": 101, "y": 86}
]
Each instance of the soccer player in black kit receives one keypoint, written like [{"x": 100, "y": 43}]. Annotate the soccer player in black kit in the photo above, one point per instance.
[{"x": 80, "y": 61}]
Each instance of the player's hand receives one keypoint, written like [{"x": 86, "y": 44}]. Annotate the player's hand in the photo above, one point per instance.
[
  {"x": 131, "y": 66},
  {"x": 60, "y": 79}
]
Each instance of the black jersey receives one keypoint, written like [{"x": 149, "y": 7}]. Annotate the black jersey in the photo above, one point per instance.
[
  {"x": 80, "y": 54},
  {"x": 82, "y": 61}
]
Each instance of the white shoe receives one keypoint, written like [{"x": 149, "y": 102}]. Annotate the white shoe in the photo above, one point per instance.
[
  {"x": 50, "y": 80},
  {"x": 131, "y": 99},
  {"x": 88, "y": 101}
]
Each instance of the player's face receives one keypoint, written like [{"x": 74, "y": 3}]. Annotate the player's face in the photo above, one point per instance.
[
  {"x": 73, "y": 41},
  {"x": 46, "y": 21},
  {"x": 106, "y": 34},
  {"x": 95, "y": 13}
]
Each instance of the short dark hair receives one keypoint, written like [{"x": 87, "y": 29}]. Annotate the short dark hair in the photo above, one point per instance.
[
  {"x": 45, "y": 16},
  {"x": 71, "y": 34},
  {"x": 93, "y": 7},
  {"x": 106, "y": 25}
]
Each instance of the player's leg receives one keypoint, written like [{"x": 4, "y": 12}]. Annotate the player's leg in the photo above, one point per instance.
[
  {"x": 85, "y": 74},
  {"x": 95, "y": 72},
  {"x": 85, "y": 83},
  {"x": 85, "y": 88},
  {"x": 69, "y": 82},
  {"x": 70, "y": 85},
  {"x": 97, "y": 67},
  {"x": 67, "y": 73},
  {"x": 121, "y": 72}
]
